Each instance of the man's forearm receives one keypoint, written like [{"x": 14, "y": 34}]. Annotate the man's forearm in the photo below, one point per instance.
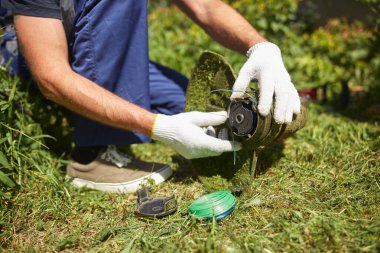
[
  {"x": 88, "y": 99},
  {"x": 47, "y": 57},
  {"x": 222, "y": 23}
]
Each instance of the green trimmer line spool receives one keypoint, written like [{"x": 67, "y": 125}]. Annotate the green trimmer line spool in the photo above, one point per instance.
[{"x": 217, "y": 204}]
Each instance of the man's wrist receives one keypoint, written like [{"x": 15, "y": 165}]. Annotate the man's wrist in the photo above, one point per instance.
[
  {"x": 164, "y": 128},
  {"x": 264, "y": 44},
  {"x": 153, "y": 124},
  {"x": 253, "y": 42}
]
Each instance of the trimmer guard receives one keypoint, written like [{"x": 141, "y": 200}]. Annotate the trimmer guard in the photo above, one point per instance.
[{"x": 210, "y": 90}]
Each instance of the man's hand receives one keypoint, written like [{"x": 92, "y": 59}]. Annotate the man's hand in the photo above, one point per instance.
[
  {"x": 229, "y": 28},
  {"x": 184, "y": 133},
  {"x": 265, "y": 64}
]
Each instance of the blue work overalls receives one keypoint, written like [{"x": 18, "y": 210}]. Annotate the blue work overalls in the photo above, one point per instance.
[
  {"x": 109, "y": 46},
  {"x": 10, "y": 56}
]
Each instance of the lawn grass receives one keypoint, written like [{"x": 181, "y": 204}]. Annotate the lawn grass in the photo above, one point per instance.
[
  {"x": 321, "y": 195},
  {"x": 318, "y": 191}
]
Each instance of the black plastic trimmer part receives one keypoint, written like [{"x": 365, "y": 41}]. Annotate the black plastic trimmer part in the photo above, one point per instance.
[
  {"x": 242, "y": 119},
  {"x": 154, "y": 207}
]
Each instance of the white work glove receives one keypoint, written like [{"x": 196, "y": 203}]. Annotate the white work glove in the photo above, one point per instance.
[
  {"x": 185, "y": 134},
  {"x": 265, "y": 64}
]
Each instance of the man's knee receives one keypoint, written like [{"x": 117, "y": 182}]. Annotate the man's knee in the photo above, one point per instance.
[{"x": 167, "y": 88}]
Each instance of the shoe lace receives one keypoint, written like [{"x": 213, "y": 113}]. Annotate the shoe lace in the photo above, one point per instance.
[{"x": 112, "y": 155}]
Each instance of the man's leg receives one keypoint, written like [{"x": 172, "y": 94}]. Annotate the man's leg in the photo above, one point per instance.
[
  {"x": 110, "y": 47},
  {"x": 167, "y": 88},
  {"x": 10, "y": 56}
]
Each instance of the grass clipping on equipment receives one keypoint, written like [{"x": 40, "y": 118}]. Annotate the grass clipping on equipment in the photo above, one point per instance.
[{"x": 211, "y": 73}]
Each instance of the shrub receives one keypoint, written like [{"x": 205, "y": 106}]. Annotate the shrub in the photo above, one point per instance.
[
  {"x": 24, "y": 119},
  {"x": 314, "y": 57}
]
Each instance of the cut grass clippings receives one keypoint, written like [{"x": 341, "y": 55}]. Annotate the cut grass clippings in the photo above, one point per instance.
[
  {"x": 321, "y": 195},
  {"x": 318, "y": 191}
]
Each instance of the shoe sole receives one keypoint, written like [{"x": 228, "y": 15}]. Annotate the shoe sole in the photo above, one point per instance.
[{"x": 126, "y": 187}]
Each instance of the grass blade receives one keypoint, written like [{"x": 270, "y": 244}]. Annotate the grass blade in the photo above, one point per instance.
[{"x": 6, "y": 180}]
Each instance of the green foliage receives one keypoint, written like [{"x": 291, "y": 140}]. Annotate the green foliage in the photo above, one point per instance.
[
  {"x": 177, "y": 42},
  {"x": 13, "y": 141},
  {"x": 22, "y": 139},
  {"x": 323, "y": 56},
  {"x": 269, "y": 17},
  {"x": 321, "y": 195},
  {"x": 339, "y": 51}
]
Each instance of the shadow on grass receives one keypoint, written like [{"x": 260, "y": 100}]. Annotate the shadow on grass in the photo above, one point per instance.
[
  {"x": 54, "y": 120},
  {"x": 184, "y": 173},
  {"x": 269, "y": 156},
  {"x": 361, "y": 107}
]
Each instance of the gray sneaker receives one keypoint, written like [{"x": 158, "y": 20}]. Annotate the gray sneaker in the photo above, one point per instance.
[{"x": 113, "y": 171}]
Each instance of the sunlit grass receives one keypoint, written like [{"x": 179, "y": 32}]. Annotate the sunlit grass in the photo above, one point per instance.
[{"x": 323, "y": 194}]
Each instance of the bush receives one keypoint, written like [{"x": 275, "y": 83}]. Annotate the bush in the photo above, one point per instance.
[
  {"x": 339, "y": 51},
  {"x": 314, "y": 57},
  {"x": 24, "y": 119}
]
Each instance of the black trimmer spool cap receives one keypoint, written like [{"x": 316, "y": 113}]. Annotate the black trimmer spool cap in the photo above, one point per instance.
[{"x": 242, "y": 118}]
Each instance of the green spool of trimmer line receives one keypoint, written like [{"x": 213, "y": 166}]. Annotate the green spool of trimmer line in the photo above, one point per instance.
[{"x": 217, "y": 204}]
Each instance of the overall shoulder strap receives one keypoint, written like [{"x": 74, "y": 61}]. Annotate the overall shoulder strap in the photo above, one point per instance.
[{"x": 68, "y": 16}]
